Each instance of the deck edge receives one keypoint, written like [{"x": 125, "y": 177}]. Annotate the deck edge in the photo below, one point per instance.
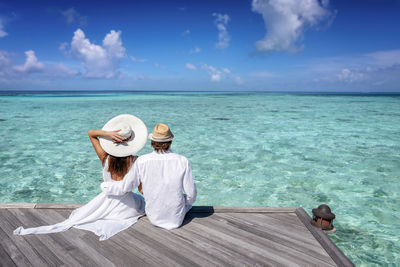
[
  {"x": 333, "y": 251},
  {"x": 17, "y": 205},
  {"x": 38, "y": 206},
  {"x": 57, "y": 206},
  {"x": 222, "y": 209},
  {"x": 198, "y": 209}
]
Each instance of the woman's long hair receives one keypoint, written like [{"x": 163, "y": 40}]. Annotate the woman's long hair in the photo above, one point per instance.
[{"x": 119, "y": 166}]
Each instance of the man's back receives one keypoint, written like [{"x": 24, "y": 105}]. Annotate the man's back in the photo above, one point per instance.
[{"x": 164, "y": 177}]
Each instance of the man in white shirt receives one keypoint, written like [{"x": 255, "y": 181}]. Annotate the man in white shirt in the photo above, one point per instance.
[{"x": 162, "y": 176}]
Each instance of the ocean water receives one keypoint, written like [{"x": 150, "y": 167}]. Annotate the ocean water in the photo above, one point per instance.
[{"x": 245, "y": 150}]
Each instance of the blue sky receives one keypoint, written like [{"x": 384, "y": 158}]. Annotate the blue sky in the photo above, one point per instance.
[{"x": 258, "y": 45}]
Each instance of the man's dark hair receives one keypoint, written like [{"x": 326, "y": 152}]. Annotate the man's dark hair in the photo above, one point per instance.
[{"x": 161, "y": 146}]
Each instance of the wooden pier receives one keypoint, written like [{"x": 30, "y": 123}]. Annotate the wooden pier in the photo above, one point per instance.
[{"x": 209, "y": 236}]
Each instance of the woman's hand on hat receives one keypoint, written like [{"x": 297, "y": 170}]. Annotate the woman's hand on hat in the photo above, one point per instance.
[{"x": 115, "y": 136}]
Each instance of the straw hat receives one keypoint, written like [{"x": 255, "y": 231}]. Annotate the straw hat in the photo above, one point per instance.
[
  {"x": 131, "y": 128},
  {"x": 161, "y": 133}
]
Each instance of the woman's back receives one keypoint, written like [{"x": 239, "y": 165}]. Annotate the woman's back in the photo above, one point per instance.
[{"x": 109, "y": 177}]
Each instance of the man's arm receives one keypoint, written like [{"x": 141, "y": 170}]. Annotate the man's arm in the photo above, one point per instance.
[
  {"x": 188, "y": 186},
  {"x": 118, "y": 188}
]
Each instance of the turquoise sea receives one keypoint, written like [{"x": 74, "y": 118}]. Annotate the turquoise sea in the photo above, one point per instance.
[{"x": 246, "y": 149}]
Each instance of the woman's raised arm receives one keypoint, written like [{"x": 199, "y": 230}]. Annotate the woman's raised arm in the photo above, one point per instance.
[{"x": 94, "y": 134}]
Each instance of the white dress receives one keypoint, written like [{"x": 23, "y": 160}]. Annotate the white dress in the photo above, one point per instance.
[{"x": 104, "y": 215}]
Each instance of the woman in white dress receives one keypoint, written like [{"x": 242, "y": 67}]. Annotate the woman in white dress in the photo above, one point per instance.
[{"x": 105, "y": 216}]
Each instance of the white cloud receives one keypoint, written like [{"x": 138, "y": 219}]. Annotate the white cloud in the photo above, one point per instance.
[
  {"x": 194, "y": 50},
  {"x": 216, "y": 77},
  {"x": 219, "y": 74},
  {"x": 99, "y": 61},
  {"x": 31, "y": 64},
  {"x": 239, "y": 80},
  {"x": 365, "y": 63},
  {"x": 2, "y": 32},
  {"x": 185, "y": 33},
  {"x": 223, "y": 37},
  {"x": 374, "y": 71},
  {"x": 63, "y": 47},
  {"x": 287, "y": 20},
  {"x": 60, "y": 70},
  {"x": 158, "y": 65},
  {"x": 113, "y": 44},
  {"x": 72, "y": 17},
  {"x": 5, "y": 64},
  {"x": 4, "y": 58},
  {"x": 226, "y": 70},
  {"x": 383, "y": 58},
  {"x": 138, "y": 60},
  {"x": 347, "y": 75},
  {"x": 215, "y": 74},
  {"x": 9, "y": 71},
  {"x": 190, "y": 66}
]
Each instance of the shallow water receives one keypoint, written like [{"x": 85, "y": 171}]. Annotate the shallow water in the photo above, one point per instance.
[{"x": 245, "y": 150}]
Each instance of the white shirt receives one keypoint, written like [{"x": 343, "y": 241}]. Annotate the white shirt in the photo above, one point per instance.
[{"x": 164, "y": 178}]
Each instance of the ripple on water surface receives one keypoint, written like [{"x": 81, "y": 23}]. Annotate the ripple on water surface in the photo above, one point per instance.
[{"x": 245, "y": 150}]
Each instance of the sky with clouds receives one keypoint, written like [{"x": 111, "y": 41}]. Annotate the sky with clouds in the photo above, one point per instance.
[{"x": 249, "y": 45}]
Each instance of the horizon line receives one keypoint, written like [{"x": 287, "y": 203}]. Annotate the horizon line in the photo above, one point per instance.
[{"x": 11, "y": 92}]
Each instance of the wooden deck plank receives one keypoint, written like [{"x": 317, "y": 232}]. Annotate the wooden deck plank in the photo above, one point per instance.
[
  {"x": 124, "y": 251},
  {"x": 164, "y": 251},
  {"x": 59, "y": 246},
  {"x": 287, "y": 239},
  {"x": 288, "y": 218},
  {"x": 21, "y": 243},
  {"x": 14, "y": 254},
  {"x": 17, "y": 205},
  {"x": 184, "y": 246},
  {"x": 259, "y": 223},
  {"x": 72, "y": 238},
  {"x": 5, "y": 259},
  {"x": 212, "y": 236},
  {"x": 212, "y": 248},
  {"x": 63, "y": 212},
  {"x": 334, "y": 252},
  {"x": 197, "y": 209},
  {"x": 237, "y": 249},
  {"x": 274, "y": 228},
  {"x": 80, "y": 251},
  {"x": 281, "y": 231},
  {"x": 276, "y": 225},
  {"x": 215, "y": 250},
  {"x": 119, "y": 255},
  {"x": 217, "y": 209},
  {"x": 151, "y": 249},
  {"x": 242, "y": 242},
  {"x": 139, "y": 250},
  {"x": 256, "y": 241},
  {"x": 41, "y": 248},
  {"x": 56, "y": 206}
]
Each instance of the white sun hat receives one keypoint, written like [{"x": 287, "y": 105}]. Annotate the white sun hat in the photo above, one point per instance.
[{"x": 131, "y": 128}]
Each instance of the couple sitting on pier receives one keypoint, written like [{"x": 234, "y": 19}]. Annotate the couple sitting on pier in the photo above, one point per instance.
[{"x": 161, "y": 176}]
